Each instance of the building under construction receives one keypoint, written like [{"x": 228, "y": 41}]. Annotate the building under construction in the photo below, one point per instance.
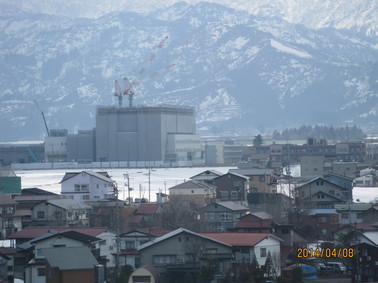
[{"x": 164, "y": 133}]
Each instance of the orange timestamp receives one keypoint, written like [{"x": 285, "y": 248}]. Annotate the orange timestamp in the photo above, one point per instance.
[{"x": 325, "y": 252}]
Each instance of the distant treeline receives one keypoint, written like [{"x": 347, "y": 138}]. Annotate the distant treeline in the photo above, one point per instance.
[{"x": 327, "y": 132}]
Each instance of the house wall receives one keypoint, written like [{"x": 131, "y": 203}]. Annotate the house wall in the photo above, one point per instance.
[
  {"x": 231, "y": 187},
  {"x": 312, "y": 166},
  {"x": 320, "y": 185},
  {"x": 109, "y": 247},
  {"x": 95, "y": 188},
  {"x": 271, "y": 246},
  {"x": 199, "y": 196},
  {"x": 57, "y": 216},
  {"x": 32, "y": 275},
  {"x": 55, "y": 242},
  {"x": 178, "y": 247},
  {"x": 223, "y": 218}
]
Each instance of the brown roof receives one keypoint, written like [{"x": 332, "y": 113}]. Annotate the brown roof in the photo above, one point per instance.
[
  {"x": 7, "y": 250},
  {"x": 32, "y": 232},
  {"x": 238, "y": 239},
  {"x": 253, "y": 224},
  {"x": 147, "y": 208},
  {"x": 136, "y": 219}
]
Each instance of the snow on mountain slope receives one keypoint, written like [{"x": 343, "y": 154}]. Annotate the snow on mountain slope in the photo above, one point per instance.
[{"x": 240, "y": 71}]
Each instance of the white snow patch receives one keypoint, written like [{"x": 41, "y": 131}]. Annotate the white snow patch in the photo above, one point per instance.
[
  {"x": 284, "y": 48},
  {"x": 88, "y": 93}
]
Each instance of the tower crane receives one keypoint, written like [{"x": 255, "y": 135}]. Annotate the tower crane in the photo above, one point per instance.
[{"x": 128, "y": 87}]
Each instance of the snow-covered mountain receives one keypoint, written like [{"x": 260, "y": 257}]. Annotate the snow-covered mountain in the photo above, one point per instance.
[{"x": 241, "y": 71}]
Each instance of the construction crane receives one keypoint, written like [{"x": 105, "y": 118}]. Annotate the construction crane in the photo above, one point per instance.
[
  {"x": 128, "y": 87},
  {"x": 43, "y": 116}
]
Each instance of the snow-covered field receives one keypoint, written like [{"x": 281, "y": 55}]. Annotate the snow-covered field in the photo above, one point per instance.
[{"x": 161, "y": 180}]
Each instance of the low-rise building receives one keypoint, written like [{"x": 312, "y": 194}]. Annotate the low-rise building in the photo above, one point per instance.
[
  {"x": 222, "y": 216},
  {"x": 260, "y": 180},
  {"x": 197, "y": 192},
  {"x": 232, "y": 187},
  {"x": 60, "y": 212},
  {"x": 87, "y": 186}
]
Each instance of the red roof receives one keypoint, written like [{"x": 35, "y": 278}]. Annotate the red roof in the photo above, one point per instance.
[
  {"x": 7, "y": 250},
  {"x": 136, "y": 219},
  {"x": 32, "y": 232},
  {"x": 253, "y": 224},
  {"x": 147, "y": 208},
  {"x": 237, "y": 239}
]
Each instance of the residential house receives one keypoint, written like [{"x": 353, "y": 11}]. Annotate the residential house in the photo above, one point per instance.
[
  {"x": 60, "y": 212},
  {"x": 369, "y": 215},
  {"x": 207, "y": 176},
  {"x": 232, "y": 187},
  {"x": 197, "y": 192},
  {"x": 323, "y": 223},
  {"x": 257, "y": 222},
  {"x": 183, "y": 252},
  {"x": 321, "y": 193},
  {"x": 342, "y": 181},
  {"x": 87, "y": 186},
  {"x": 247, "y": 247},
  {"x": 107, "y": 245},
  {"x": 260, "y": 180},
  {"x": 349, "y": 212},
  {"x": 70, "y": 264},
  {"x": 348, "y": 169},
  {"x": 8, "y": 254},
  {"x": 35, "y": 270},
  {"x": 368, "y": 177},
  {"x": 278, "y": 205},
  {"x": 364, "y": 251},
  {"x": 10, "y": 221},
  {"x": 144, "y": 215},
  {"x": 130, "y": 242},
  {"x": 222, "y": 216},
  {"x": 312, "y": 166}
]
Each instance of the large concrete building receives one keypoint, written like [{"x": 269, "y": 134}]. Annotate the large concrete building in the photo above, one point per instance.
[{"x": 166, "y": 134}]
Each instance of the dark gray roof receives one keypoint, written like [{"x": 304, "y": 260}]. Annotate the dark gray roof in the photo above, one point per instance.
[
  {"x": 68, "y": 204},
  {"x": 252, "y": 172},
  {"x": 100, "y": 175},
  {"x": 193, "y": 184},
  {"x": 70, "y": 258},
  {"x": 208, "y": 172},
  {"x": 231, "y": 205}
]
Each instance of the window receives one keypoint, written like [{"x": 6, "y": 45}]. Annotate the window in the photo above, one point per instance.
[
  {"x": 344, "y": 215},
  {"x": 224, "y": 193},
  {"x": 85, "y": 197},
  {"x": 237, "y": 183},
  {"x": 142, "y": 278},
  {"x": 41, "y": 271},
  {"x": 40, "y": 214},
  {"x": 164, "y": 259},
  {"x": 331, "y": 192},
  {"x": 285, "y": 231},
  {"x": 130, "y": 245},
  {"x": 262, "y": 178},
  {"x": 262, "y": 252}
]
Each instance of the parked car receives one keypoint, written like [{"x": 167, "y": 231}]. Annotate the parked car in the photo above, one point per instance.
[{"x": 337, "y": 267}]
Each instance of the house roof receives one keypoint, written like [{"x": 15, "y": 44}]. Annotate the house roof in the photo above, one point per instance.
[
  {"x": 372, "y": 236},
  {"x": 323, "y": 193},
  {"x": 70, "y": 258},
  {"x": 253, "y": 224},
  {"x": 353, "y": 206},
  {"x": 33, "y": 232},
  {"x": 147, "y": 208},
  {"x": 36, "y": 192},
  {"x": 74, "y": 235},
  {"x": 208, "y": 172},
  {"x": 320, "y": 179},
  {"x": 253, "y": 172},
  {"x": 230, "y": 205},
  {"x": 174, "y": 233},
  {"x": 5, "y": 200},
  {"x": 322, "y": 211},
  {"x": 7, "y": 251},
  {"x": 193, "y": 184},
  {"x": 235, "y": 174},
  {"x": 155, "y": 231},
  {"x": 34, "y": 198},
  {"x": 68, "y": 204},
  {"x": 100, "y": 175},
  {"x": 238, "y": 239},
  {"x": 262, "y": 215},
  {"x": 136, "y": 219}
]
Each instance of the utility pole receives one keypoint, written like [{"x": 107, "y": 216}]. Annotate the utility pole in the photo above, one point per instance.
[
  {"x": 126, "y": 176},
  {"x": 149, "y": 184},
  {"x": 117, "y": 228}
]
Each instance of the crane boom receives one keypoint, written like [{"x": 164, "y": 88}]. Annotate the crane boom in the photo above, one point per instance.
[{"x": 43, "y": 116}]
